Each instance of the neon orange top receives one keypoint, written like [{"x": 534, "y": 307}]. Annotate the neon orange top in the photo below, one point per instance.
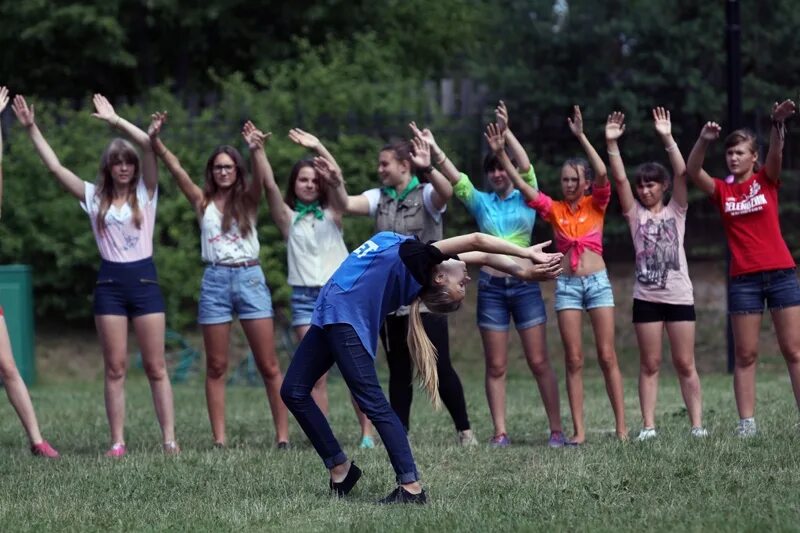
[{"x": 577, "y": 230}]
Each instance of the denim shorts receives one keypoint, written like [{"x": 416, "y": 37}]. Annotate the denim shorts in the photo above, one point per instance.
[
  {"x": 584, "y": 292},
  {"x": 226, "y": 291},
  {"x": 303, "y": 300},
  {"x": 500, "y": 298},
  {"x": 128, "y": 289},
  {"x": 776, "y": 288}
]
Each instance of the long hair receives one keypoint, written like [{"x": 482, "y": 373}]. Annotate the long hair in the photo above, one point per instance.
[
  {"x": 423, "y": 352},
  {"x": 291, "y": 197},
  {"x": 402, "y": 150},
  {"x": 240, "y": 206},
  {"x": 117, "y": 151},
  {"x": 744, "y": 135}
]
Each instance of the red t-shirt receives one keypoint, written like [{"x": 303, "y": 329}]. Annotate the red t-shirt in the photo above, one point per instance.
[{"x": 750, "y": 217}]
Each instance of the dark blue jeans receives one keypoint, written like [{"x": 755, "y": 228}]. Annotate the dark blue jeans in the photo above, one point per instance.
[{"x": 318, "y": 351}]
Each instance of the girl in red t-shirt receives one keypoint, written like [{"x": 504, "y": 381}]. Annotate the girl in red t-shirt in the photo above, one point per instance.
[
  {"x": 762, "y": 269},
  {"x": 15, "y": 388}
]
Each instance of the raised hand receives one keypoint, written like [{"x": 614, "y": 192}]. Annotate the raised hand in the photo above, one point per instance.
[
  {"x": 103, "y": 108},
  {"x": 782, "y": 111},
  {"x": 304, "y": 139},
  {"x": 254, "y": 137},
  {"x": 662, "y": 121},
  {"x": 421, "y": 155},
  {"x": 536, "y": 254},
  {"x": 22, "y": 111},
  {"x": 327, "y": 172},
  {"x": 3, "y": 98},
  {"x": 157, "y": 121},
  {"x": 710, "y": 131},
  {"x": 576, "y": 122},
  {"x": 501, "y": 116},
  {"x": 494, "y": 136},
  {"x": 615, "y": 126},
  {"x": 427, "y": 136}
]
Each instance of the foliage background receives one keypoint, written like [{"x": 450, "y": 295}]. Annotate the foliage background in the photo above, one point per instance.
[{"x": 355, "y": 72}]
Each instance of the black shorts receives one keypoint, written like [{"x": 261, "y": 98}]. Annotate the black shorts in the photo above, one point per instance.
[
  {"x": 644, "y": 311},
  {"x": 128, "y": 289}
]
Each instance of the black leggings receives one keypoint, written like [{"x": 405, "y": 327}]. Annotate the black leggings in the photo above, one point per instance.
[{"x": 401, "y": 390}]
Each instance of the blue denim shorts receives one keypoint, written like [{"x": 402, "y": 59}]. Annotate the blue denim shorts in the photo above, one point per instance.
[
  {"x": 303, "y": 300},
  {"x": 776, "y": 288},
  {"x": 226, "y": 291},
  {"x": 128, "y": 289},
  {"x": 500, "y": 298},
  {"x": 584, "y": 292}
]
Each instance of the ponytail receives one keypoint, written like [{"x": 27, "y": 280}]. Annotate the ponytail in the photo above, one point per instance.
[{"x": 423, "y": 354}]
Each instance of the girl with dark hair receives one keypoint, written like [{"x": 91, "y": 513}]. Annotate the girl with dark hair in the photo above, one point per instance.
[
  {"x": 16, "y": 390},
  {"x": 577, "y": 222},
  {"x": 122, "y": 210},
  {"x": 502, "y": 212},
  {"x": 233, "y": 282},
  {"x": 312, "y": 228},
  {"x": 762, "y": 270},
  {"x": 386, "y": 272},
  {"x": 662, "y": 290},
  {"x": 409, "y": 206}
]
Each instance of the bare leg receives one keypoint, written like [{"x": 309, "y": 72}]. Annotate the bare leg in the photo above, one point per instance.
[
  {"x": 569, "y": 325},
  {"x": 787, "y": 327},
  {"x": 649, "y": 335},
  {"x": 745, "y": 335},
  {"x": 150, "y": 336},
  {"x": 113, "y": 333},
  {"x": 681, "y": 339},
  {"x": 603, "y": 325},
  {"x": 495, "y": 350},
  {"x": 534, "y": 343},
  {"x": 15, "y": 388},
  {"x": 216, "y": 338}
]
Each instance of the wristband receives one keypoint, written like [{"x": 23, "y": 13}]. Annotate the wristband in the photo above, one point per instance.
[
  {"x": 614, "y": 153},
  {"x": 427, "y": 170},
  {"x": 442, "y": 159},
  {"x": 672, "y": 147}
]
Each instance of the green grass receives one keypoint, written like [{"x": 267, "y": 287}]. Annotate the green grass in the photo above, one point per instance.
[{"x": 672, "y": 483}]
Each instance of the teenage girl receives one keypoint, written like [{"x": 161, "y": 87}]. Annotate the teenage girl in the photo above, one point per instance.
[
  {"x": 122, "y": 210},
  {"x": 233, "y": 282},
  {"x": 387, "y": 271},
  {"x": 503, "y": 213},
  {"x": 662, "y": 290},
  {"x": 408, "y": 206},
  {"x": 762, "y": 270},
  {"x": 16, "y": 390},
  {"x": 577, "y": 222},
  {"x": 312, "y": 228}
]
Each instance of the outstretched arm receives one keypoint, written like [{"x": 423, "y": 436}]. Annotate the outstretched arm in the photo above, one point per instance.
[
  {"x": 517, "y": 151},
  {"x": 3, "y": 103},
  {"x": 576, "y": 127},
  {"x": 190, "y": 190},
  {"x": 663, "y": 125},
  {"x": 72, "y": 183},
  {"x": 438, "y": 157},
  {"x": 105, "y": 111},
  {"x": 774, "y": 161},
  {"x": 694, "y": 165},
  {"x": 481, "y": 242},
  {"x": 256, "y": 139},
  {"x": 530, "y": 271},
  {"x": 421, "y": 157},
  {"x": 307, "y": 140},
  {"x": 331, "y": 176},
  {"x": 496, "y": 141},
  {"x": 615, "y": 127}
]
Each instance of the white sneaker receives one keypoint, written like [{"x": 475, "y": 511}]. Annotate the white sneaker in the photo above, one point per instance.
[
  {"x": 647, "y": 434},
  {"x": 746, "y": 428},
  {"x": 699, "y": 432}
]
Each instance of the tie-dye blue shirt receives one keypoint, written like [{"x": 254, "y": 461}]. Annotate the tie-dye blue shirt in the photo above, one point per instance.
[{"x": 508, "y": 218}]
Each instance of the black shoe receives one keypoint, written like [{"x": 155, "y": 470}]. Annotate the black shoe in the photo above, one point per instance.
[
  {"x": 283, "y": 445},
  {"x": 344, "y": 487},
  {"x": 401, "y": 495}
]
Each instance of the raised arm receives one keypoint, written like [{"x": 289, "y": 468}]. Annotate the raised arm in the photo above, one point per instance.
[
  {"x": 188, "y": 187},
  {"x": 496, "y": 141},
  {"x": 105, "y": 111},
  {"x": 481, "y": 242},
  {"x": 576, "y": 127},
  {"x": 663, "y": 125},
  {"x": 615, "y": 127},
  {"x": 774, "y": 161},
  {"x": 256, "y": 139},
  {"x": 694, "y": 165},
  {"x": 307, "y": 140},
  {"x": 421, "y": 157},
  {"x": 331, "y": 176},
  {"x": 517, "y": 151},
  {"x": 72, "y": 183},
  {"x": 3, "y": 103},
  {"x": 438, "y": 157}
]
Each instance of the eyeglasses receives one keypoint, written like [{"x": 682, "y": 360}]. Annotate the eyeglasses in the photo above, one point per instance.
[{"x": 223, "y": 168}]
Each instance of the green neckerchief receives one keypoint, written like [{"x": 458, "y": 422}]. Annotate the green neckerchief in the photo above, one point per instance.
[
  {"x": 304, "y": 209},
  {"x": 391, "y": 192}
]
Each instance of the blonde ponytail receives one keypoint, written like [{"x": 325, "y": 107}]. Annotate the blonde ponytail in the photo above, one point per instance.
[{"x": 423, "y": 354}]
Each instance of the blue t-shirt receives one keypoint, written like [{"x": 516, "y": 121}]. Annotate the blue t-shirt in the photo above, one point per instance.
[
  {"x": 509, "y": 218},
  {"x": 373, "y": 281}
]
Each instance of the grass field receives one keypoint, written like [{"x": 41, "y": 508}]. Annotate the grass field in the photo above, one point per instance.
[{"x": 670, "y": 484}]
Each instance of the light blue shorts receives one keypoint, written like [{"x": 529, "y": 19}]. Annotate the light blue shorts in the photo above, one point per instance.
[
  {"x": 500, "y": 298},
  {"x": 303, "y": 300},
  {"x": 227, "y": 291},
  {"x": 584, "y": 292}
]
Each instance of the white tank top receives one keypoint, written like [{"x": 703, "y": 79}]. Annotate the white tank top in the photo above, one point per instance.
[
  {"x": 315, "y": 249},
  {"x": 230, "y": 247}
]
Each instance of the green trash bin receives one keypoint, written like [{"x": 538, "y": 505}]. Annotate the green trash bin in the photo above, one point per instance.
[{"x": 16, "y": 298}]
